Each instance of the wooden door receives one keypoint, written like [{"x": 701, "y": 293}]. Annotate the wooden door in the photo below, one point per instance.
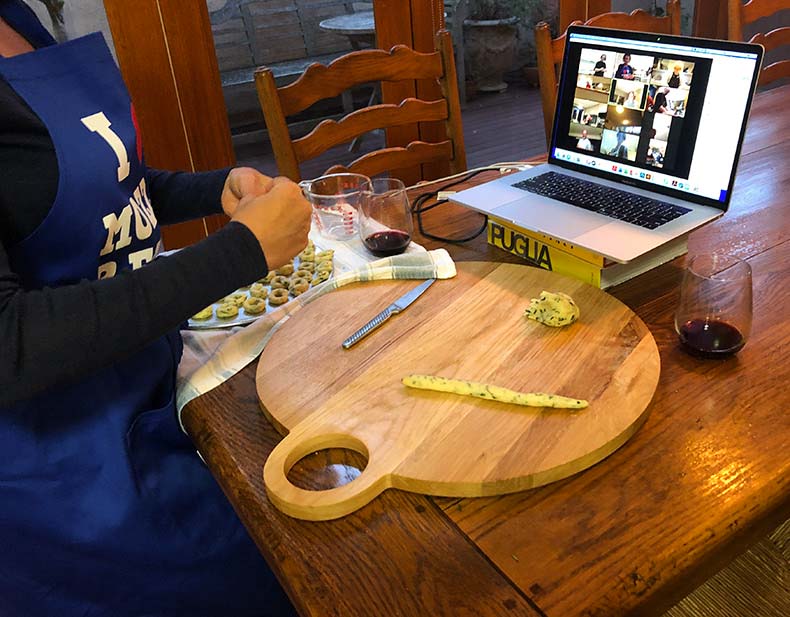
[
  {"x": 166, "y": 53},
  {"x": 413, "y": 23},
  {"x": 710, "y": 19},
  {"x": 571, "y": 10}
]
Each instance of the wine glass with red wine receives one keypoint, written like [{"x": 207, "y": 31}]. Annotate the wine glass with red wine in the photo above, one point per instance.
[
  {"x": 714, "y": 317},
  {"x": 385, "y": 224}
]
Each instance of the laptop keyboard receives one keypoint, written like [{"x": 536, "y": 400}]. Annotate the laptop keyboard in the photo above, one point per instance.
[{"x": 621, "y": 205}]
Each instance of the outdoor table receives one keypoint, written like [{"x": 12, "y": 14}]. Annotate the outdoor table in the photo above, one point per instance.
[{"x": 359, "y": 28}]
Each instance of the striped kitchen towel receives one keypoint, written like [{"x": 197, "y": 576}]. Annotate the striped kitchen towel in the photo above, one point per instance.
[{"x": 243, "y": 346}]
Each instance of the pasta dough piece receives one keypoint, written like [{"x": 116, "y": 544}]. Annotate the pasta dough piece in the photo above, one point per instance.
[
  {"x": 320, "y": 277},
  {"x": 206, "y": 313},
  {"x": 236, "y": 298},
  {"x": 298, "y": 286},
  {"x": 278, "y": 296},
  {"x": 227, "y": 310},
  {"x": 280, "y": 282},
  {"x": 492, "y": 393},
  {"x": 553, "y": 309},
  {"x": 307, "y": 254},
  {"x": 268, "y": 278},
  {"x": 324, "y": 266},
  {"x": 254, "y": 305},
  {"x": 257, "y": 290}
]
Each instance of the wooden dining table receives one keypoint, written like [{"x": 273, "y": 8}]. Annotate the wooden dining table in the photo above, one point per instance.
[{"x": 707, "y": 475}]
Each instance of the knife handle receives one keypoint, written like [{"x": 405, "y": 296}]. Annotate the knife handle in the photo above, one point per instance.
[{"x": 368, "y": 328}]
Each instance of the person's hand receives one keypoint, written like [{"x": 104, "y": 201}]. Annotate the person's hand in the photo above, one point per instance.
[
  {"x": 280, "y": 220},
  {"x": 241, "y": 183}
]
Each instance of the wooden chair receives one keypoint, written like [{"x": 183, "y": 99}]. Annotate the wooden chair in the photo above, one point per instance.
[
  {"x": 550, "y": 51},
  {"x": 740, "y": 15},
  {"x": 358, "y": 67}
]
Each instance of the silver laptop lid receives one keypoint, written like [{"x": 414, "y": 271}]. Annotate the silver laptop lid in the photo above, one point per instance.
[{"x": 664, "y": 113}]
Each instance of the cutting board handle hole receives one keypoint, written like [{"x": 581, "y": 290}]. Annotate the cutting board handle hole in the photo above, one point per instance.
[{"x": 326, "y": 469}]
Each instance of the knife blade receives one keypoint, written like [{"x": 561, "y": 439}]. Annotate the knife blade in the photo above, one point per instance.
[{"x": 396, "y": 307}]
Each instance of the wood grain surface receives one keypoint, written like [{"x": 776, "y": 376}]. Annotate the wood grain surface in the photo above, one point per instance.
[
  {"x": 386, "y": 559},
  {"x": 439, "y": 443},
  {"x": 714, "y": 416},
  {"x": 706, "y": 475}
]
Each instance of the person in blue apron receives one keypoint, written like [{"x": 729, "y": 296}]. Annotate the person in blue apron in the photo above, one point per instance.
[{"x": 105, "y": 507}]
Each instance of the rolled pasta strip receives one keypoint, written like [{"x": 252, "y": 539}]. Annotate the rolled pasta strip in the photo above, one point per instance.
[{"x": 491, "y": 392}]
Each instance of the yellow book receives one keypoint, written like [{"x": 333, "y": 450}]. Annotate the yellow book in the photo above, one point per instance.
[
  {"x": 567, "y": 247},
  {"x": 542, "y": 254}
]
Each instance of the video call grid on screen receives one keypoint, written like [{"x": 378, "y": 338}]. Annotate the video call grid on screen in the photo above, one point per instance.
[{"x": 641, "y": 104}]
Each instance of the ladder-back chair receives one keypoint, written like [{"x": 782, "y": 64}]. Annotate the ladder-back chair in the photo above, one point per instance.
[
  {"x": 360, "y": 67},
  {"x": 550, "y": 51},
  {"x": 740, "y": 15}
]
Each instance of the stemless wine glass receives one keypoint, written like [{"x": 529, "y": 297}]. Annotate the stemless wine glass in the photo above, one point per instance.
[
  {"x": 714, "y": 317},
  {"x": 385, "y": 224}
]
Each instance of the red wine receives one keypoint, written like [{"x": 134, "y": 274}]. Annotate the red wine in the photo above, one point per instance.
[
  {"x": 385, "y": 243},
  {"x": 711, "y": 339}
]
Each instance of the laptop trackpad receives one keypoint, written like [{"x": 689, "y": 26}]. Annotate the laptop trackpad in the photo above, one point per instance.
[{"x": 552, "y": 218}]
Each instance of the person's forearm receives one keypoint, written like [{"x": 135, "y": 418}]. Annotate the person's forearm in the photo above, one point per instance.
[
  {"x": 179, "y": 196},
  {"x": 60, "y": 335}
]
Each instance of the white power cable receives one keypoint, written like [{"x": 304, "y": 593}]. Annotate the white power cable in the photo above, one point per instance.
[{"x": 501, "y": 167}]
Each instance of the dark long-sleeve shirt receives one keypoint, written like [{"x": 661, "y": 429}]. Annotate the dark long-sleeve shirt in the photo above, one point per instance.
[{"x": 57, "y": 335}]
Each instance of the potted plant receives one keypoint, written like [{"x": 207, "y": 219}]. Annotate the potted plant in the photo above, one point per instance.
[{"x": 490, "y": 43}]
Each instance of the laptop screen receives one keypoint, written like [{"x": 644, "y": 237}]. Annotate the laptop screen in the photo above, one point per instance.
[{"x": 663, "y": 113}]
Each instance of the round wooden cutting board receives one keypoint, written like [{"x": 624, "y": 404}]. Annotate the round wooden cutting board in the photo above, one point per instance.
[{"x": 469, "y": 327}]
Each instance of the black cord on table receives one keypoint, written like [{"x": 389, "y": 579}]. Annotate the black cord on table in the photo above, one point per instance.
[{"x": 419, "y": 208}]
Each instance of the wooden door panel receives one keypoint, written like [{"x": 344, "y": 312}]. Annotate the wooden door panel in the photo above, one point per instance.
[{"x": 167, "y": 57}]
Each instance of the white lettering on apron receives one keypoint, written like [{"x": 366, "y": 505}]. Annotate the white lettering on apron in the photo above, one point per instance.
[
  {"x": 98, "y": 123},
  {"x": 138, "y": 258},
  {"x": 118, "y": 225},
  {"x": 144, "y": 218},
  {"x": 108, "y": 270},
  {"x": 119, "y": 232}
]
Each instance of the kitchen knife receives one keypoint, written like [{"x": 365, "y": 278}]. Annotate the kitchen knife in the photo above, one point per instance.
[{"x": 396, "y": 307}]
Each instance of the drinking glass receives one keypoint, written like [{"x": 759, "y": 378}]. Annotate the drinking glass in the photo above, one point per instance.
[
  {"x": 385, "y": 224},
  {"x": 336, "y": 199},
  {"x": 714, "y": 317}
]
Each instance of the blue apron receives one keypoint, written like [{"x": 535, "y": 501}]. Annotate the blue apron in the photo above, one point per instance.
[{"x": 105, "y": 507}]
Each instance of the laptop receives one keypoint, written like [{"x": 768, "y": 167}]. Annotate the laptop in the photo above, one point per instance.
[{"x": 647, "y": 134}]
